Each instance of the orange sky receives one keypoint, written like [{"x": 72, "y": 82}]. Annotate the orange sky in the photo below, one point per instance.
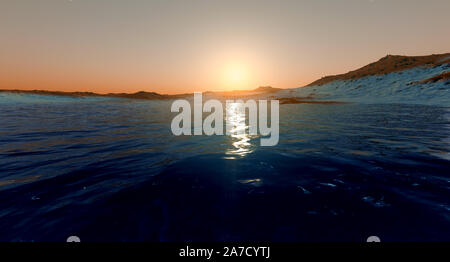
[{"x": 185, "y": 46}]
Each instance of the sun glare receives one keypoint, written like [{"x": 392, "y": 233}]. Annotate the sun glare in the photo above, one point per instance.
[{"x": 236, "y": 77}]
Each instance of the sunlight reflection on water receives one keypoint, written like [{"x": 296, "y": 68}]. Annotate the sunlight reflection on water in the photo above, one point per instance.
[{"x": 238, "y": 131}]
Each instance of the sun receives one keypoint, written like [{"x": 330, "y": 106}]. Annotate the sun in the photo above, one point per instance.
[
  {"x": 236, "y": 74},
  {"x": 236, "y": 77}
]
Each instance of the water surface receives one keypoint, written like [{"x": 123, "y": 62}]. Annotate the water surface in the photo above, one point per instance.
[{"x": 110, "y": 170}]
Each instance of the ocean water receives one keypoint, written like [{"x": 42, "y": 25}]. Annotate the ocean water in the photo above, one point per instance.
[{"x": 110, "y": 170}]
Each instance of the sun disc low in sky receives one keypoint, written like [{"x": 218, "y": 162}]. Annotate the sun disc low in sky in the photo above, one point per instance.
[{"x": 236, "y": 77}]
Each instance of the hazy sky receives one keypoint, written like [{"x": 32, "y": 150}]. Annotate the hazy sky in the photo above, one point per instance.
[{"x": 183, "y": 46}]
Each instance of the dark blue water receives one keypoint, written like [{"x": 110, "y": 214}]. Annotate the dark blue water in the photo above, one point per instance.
[{"x": 112, "y": 171}]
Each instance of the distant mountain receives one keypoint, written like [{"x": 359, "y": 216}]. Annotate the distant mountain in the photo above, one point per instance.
[
  {"x": 138, "y": 95},
  {"x": 392, "y": 79},
  {"x": 143, "y": 94},
  {"x": 267, "y": 89},
  {"x": 147, "y": 95},
  {"x": 50, "y": 93},
  {"x": 387, "y": 64}
]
